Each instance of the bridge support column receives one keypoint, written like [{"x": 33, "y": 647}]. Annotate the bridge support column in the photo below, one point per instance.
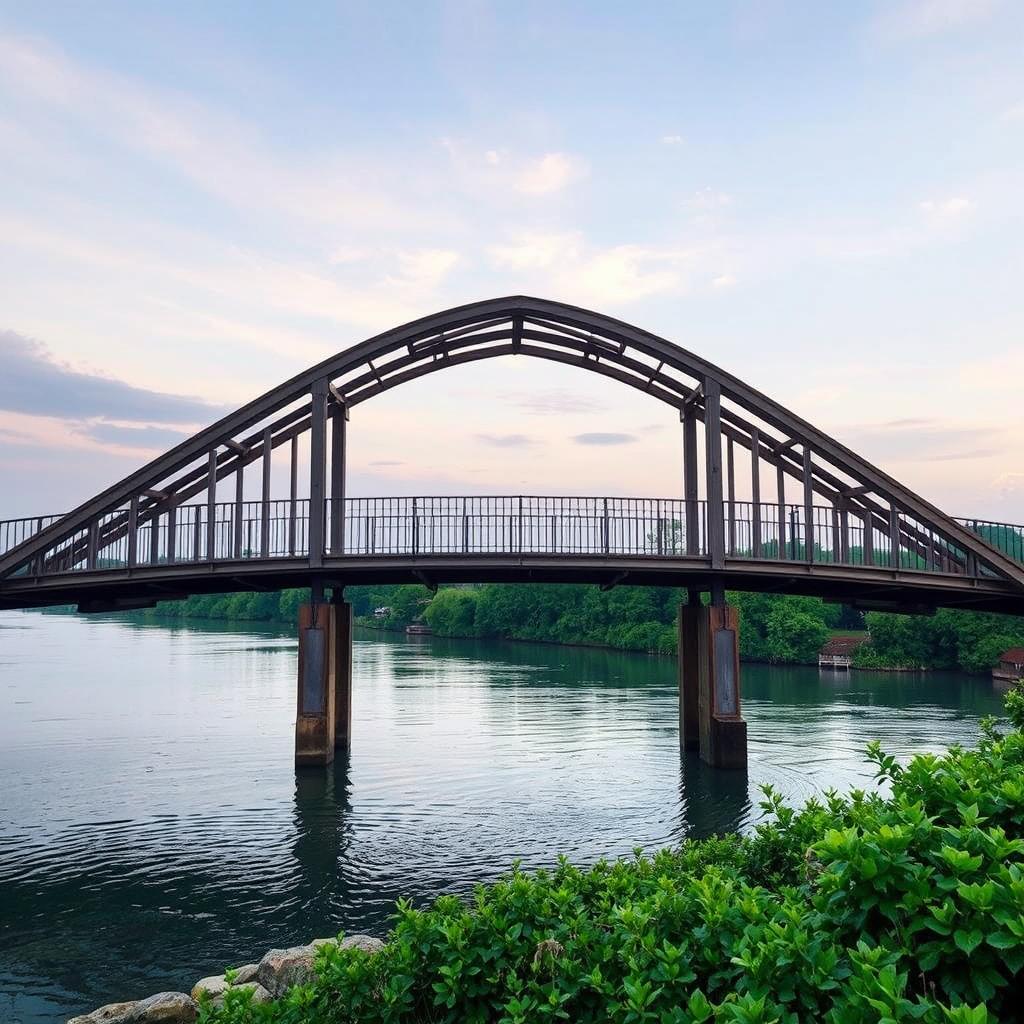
[
  {"x": 709, "y": 682},
  {"x": 323, "y": 714},
  {"x": 723, "y": 733}
]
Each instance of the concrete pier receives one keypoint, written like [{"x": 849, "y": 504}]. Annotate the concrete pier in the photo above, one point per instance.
[
  {"x": 709, "y": 685},
  {"x": 323, "y": 720}
]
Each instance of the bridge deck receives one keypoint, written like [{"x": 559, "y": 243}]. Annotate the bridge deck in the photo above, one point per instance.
[{"x": 240, "y": 545}]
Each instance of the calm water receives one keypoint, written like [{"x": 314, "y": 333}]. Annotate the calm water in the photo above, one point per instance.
[{"x": 152, "y": 828}]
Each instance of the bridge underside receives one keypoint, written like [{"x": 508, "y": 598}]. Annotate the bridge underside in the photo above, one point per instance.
[{"x": 862, "y": 586}]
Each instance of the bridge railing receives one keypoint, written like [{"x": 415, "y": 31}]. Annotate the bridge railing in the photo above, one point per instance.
[{"x": 520, "y": 524}]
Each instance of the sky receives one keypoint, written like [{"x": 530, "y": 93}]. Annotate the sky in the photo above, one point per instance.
[{"x": 199, "y": 200}]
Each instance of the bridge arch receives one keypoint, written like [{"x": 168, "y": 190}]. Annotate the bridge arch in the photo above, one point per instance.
[{"x": 908, "y": 547}]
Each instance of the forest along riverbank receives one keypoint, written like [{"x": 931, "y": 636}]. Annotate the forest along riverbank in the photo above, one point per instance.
[
  {"x": 774, "y": 628},
  {"x": 162, "y": 804}
]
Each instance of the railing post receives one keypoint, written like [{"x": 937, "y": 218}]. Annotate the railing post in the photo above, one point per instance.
[
  {"x": 713, "y": 452},
  {"x": 415, "y": 527},
  {"x": 731, "y": 492},
  {"x": 211, "y": 506},
  {"x": 93, "y": 545},
  {"x": 154, "y": 538},
  {"x": 293, "y": 496},
  {"x": 316, "y": 534},
  {"x": 780, "y": 486},
  {"x": 172, "y": 533},
  {"x": 338, "y": 446},
  {"x": 239, "y": 496},
  {"x": 133, "y": 525},
  {"x": 197, "y": 532},
  {"x": 755, "y": 490},
  {"x": 808, "y": 505},
  {"x": 465, "y": 529},
  {"x": 691, "y": 521},
  {"x": 268, "y": 448},
  {"x": 869, "y": 537},
  {"x": 894, "y": 537},
  {"x": 520, "y": 524},
  {"x": 604, "y": 527}
]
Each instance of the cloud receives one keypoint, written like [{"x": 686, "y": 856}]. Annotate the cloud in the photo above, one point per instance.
[
  {"x": 387, "y": 462},
  {"x": 723, "y": 281},
  {"x": 34, "y": 382},
  {"x": 146, "y": 438},
  {"x": 942, "y": 212},
  {"x": 618, "y": 274},
  {"x": 213, "y": 150},
  {"x": 671, "y": 140},
  {"x": 709, "y": 199},
  {"x": 551, "y": 173},
  {"x": 604, "y": 439},
  {"x": 425, "y": 269},
  {"x": 1010, "y": 484},
  {"x": 931, "y": 17},
  {"x": 553, "y": 401},
  {"x": 507, "y": 440},
  {"x": 923, "y": 440}
]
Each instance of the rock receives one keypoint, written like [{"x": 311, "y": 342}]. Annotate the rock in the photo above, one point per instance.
[
  {"x": 367, "y": 943},
  {"x": 213, "y": 986},
  {"x": 280, "y": 969},
  {"x": 164, "y": 1008},
  {"x": 246, "y": 973},
  {"x": 259, "y": 993},
  {"x": 112, "y": 1013},
  {"x": 216, "y": 986}
]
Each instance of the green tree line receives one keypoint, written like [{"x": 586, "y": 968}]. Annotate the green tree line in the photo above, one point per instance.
[{"x": 774, "y": 628}]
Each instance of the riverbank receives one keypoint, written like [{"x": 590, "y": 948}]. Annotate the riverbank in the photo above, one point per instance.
[
  {"x": 774, "y": 629},
  {"x": 900, "y": 907}
]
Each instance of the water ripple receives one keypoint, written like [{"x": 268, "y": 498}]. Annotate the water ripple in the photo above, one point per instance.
[{"x": 152, "y": 828}]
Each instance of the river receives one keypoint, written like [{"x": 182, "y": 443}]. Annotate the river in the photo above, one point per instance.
[{"x": 153, "y": 829}]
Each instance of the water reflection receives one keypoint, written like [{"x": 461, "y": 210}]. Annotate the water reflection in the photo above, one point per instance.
[
  {"x": 711, "y": 801},
  {"x": 152, "y": 828},
  {"x": 323, "y": 832}
]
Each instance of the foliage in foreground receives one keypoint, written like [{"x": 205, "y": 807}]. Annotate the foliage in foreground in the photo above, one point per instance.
[{"x": 867, "y": 908}]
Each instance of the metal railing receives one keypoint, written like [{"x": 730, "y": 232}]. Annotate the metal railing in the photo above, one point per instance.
[{"x": 505, "y": 525}]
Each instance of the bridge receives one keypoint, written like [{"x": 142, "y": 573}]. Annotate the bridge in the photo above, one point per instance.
[{"x": 768, "y": 503}]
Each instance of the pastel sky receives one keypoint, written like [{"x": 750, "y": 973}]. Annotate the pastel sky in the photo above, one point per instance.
[{"x": 199, "y": 200}]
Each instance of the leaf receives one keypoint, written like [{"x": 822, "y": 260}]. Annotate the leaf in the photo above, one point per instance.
[{"x": 968, "y": 941}]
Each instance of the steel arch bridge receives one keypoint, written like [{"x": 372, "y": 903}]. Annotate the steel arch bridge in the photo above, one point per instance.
[{"x": 769, "y": 502}]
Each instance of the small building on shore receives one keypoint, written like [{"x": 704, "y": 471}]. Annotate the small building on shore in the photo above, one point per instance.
[
  {"x": 838, "y": 651},
  {"x": 382, "y": 612},
  {"x": 1011, "y": 665}
]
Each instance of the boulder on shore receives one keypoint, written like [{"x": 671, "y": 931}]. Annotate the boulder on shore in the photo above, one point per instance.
[
  {"x": 164, "y": 1008},
  {"x": 367, "y": 943},
  {"x": 280, "y": 969},
  {"x": 112, "y": 1013},
  {"x": 215, "y": 987}
]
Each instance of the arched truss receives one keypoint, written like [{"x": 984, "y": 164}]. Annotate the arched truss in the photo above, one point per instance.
[{"x": 833, "y": 486}]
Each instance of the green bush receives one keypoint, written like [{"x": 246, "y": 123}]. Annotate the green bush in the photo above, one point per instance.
[{"x": 862, "y": 909}]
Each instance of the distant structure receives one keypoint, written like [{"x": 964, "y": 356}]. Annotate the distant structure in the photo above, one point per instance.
[
  {"x": 382, "y": 612},
  {"x": 837, "y": 653},
  {"x": 1011, "y": 665}
]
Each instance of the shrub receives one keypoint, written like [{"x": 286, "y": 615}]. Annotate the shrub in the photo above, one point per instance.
[{"x": 856, "y": 909}]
